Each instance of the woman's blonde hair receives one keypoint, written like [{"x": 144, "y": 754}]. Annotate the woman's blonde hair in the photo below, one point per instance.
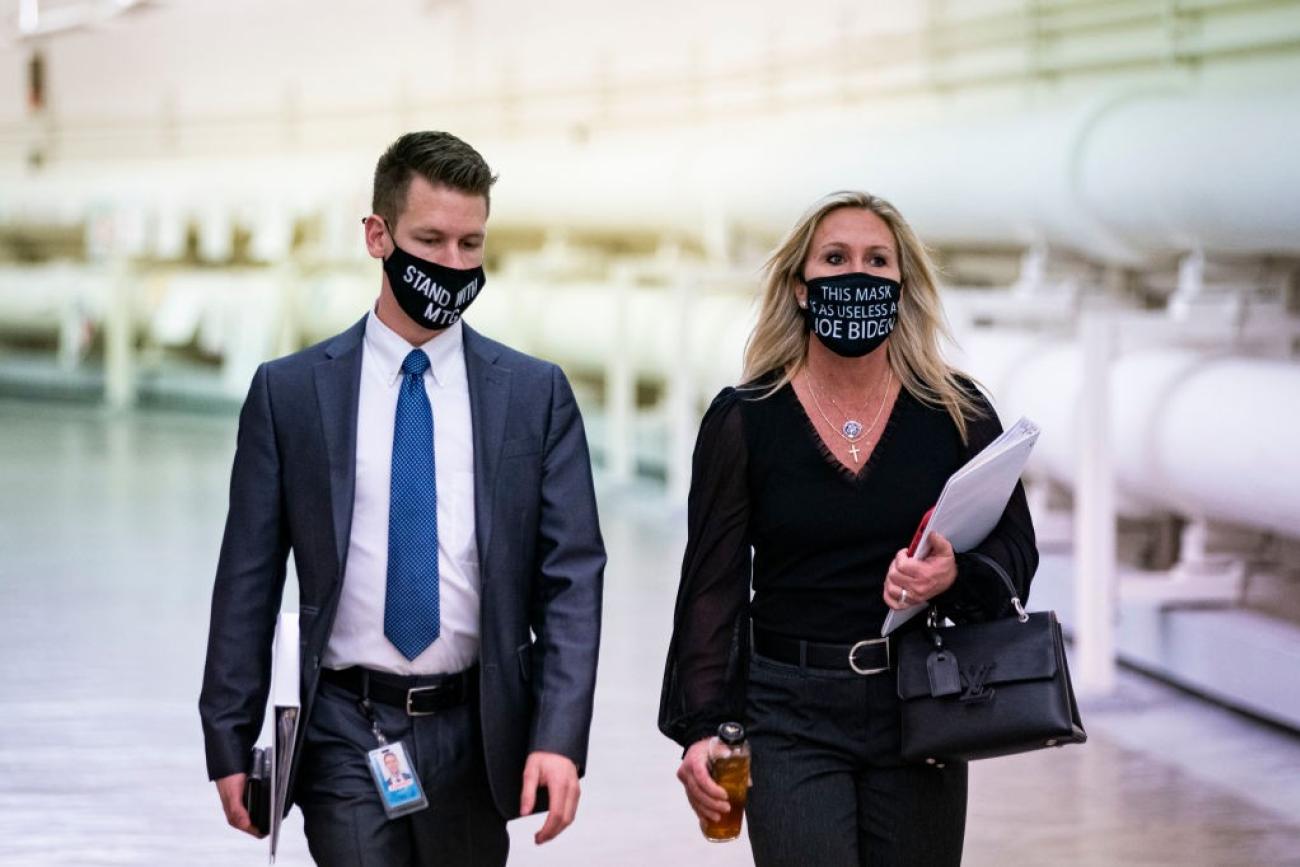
[{"x": 779, "y": 343}]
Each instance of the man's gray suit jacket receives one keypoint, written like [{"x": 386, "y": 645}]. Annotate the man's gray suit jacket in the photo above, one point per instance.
[{"x": 540, "y": 550}]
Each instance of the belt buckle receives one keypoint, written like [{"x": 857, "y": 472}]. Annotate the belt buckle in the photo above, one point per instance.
[
  {"x": 410, "y": 694},
  {"x": 867, "y": 643}
]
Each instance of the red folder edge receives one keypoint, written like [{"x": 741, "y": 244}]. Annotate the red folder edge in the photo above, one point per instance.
[{"x": 920, "y": 530}]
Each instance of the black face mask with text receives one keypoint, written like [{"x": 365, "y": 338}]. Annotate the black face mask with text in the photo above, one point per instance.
[
  {"x": 433, "y": 295},
  {"x": 852, "y": 314}
]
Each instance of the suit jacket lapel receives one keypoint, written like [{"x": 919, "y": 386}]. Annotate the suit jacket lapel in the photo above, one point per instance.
[
  {"x": 338, "y": 388},
  {"x": 489, "y": 399}
]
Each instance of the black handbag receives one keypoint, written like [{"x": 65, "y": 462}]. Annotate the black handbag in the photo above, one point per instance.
[{"x": 979, "y": 690}]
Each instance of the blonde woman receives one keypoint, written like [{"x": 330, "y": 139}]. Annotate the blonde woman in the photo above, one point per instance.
[{"x": 808, "y": 483}]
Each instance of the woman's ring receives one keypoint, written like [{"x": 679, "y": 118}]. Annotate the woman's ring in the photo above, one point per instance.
[{"x": 902, "y": 598}]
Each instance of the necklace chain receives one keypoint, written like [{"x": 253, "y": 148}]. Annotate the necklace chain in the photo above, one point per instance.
[
  {"x": 848, "y": 421},
  {"x": 888, "y": 372},
  {"x": 840, "y": 409}
]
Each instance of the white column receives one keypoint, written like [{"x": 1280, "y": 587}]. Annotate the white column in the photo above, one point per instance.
[
  {"x": 72, "y": 329},
  {"x": 620, "y": 388},
  {"x": 119, "y": 327},
  {"x": 252, "y": 332},
  {"x": 1094, "y": 512},
  {"x": 1191, "y": 285},
  {"x": 680, "y": 399},
  {"x": 288, "y": 281}
]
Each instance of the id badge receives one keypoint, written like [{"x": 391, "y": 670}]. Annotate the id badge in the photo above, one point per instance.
[{"x": 395, "y": 778}]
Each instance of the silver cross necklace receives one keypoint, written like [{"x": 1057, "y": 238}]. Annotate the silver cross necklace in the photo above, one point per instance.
[{"x": 852, "y": 429}]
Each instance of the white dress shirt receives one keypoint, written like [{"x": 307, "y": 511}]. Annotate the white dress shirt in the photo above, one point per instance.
[{"x": 358, "y": 636}]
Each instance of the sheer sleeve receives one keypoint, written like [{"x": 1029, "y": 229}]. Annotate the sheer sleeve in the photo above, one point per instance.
[
  {"x": 978, "y": 594},
  {"x": 704, "y": 679}
]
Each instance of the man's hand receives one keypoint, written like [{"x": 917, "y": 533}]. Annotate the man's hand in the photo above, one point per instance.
[
  {"x": 708, "y": 799},
  {"x": 231, "y": 790},
  {"x": 560, "y": 777}
]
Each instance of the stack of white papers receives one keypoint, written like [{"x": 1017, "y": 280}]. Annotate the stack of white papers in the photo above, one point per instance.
[{"x": 973, "y": 500}]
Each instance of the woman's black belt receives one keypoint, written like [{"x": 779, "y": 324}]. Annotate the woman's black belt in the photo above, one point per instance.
[{"x": 870, "y": 656}]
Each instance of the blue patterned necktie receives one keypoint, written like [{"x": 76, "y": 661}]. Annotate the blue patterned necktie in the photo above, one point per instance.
[{"x": 411, "y": 606}]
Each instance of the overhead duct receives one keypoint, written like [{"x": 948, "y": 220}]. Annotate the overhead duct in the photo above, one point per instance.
[
  {"x": 1207, "y": 436},
  {"x": 1126, "y": 179},
  {"x": 1130, "y": 179}
]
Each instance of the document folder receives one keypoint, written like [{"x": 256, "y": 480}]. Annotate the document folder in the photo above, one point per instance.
[
  {"x": 267, "y": 790},
  {"x": 972, "y": 501}
]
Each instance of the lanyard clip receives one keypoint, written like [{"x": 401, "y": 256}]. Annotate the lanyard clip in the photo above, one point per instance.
[{"x": 368, "y": 710}]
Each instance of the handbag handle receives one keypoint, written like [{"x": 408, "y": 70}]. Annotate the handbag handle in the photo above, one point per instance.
[{"x": 1006, "y": 579}]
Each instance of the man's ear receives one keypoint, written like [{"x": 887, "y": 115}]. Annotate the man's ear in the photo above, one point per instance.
[{"x": 379, "y": 243}]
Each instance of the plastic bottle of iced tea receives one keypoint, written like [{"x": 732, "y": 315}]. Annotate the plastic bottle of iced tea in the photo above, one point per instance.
[{"x": 729, "y": 767}]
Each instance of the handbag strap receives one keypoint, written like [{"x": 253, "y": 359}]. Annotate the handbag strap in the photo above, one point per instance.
[{"x": 1006, "y": 579}]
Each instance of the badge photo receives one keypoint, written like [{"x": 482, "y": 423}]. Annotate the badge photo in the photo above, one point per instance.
[{"x": 395, "y": 778}]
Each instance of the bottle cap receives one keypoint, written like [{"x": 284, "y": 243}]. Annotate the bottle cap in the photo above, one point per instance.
[{"x": 731, "y": 733}]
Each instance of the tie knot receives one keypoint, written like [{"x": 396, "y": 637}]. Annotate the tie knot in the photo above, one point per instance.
[{"x": 416, "y": 363}]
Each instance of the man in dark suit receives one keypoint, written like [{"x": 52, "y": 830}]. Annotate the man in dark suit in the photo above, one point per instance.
[{"x": 435, "y": 489}]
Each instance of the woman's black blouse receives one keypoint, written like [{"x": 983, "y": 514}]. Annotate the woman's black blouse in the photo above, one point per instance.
[{"x": 770, "y": 504}]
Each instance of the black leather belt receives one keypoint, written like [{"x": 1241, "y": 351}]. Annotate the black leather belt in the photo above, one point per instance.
[
  {"x": 418, "y": 695},
  {"x": 866, "y": 657}
]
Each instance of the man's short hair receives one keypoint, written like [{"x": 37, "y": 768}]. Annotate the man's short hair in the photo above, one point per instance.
[{"x": 438, "y": 157}]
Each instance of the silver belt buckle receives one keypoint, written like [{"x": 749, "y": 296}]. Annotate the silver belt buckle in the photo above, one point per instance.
[
  {"x": 867, "y": 643},
  {"x": 410, "y": 694}
]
